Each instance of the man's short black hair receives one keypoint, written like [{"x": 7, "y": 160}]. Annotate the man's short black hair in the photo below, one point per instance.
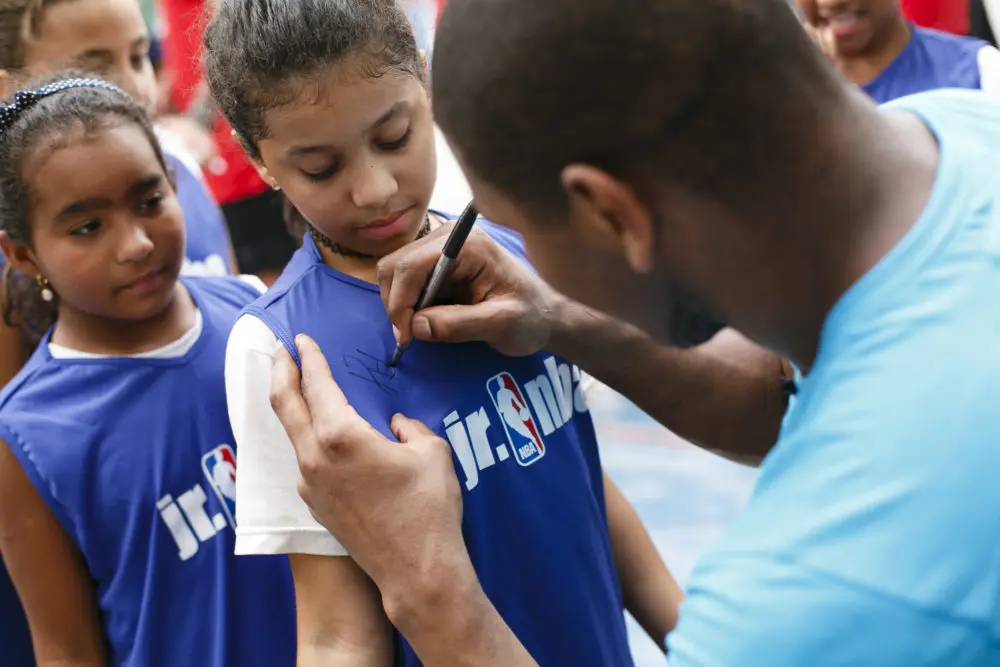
[{"x": 714, "y": 95}]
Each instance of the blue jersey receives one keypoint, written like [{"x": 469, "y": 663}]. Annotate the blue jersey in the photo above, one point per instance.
[
  {"x": 524, "y": 450},
  {"x": 207, "y": 251},
  {"x": 931, "y": 60},
  {"x": 872, "y": 536},
  {"x": 134, "y": 457}
]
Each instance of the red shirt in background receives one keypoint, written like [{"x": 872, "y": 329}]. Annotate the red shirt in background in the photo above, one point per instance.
[
  {"x": 948, "y": 15},
  {"x": 233, "y": 178}
]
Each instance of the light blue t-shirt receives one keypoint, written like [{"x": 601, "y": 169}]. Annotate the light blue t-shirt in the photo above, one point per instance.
[{"x": 873, "y": 536}]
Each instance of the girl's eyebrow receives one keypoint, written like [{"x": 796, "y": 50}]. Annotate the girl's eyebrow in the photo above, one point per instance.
[
  {"x": 395, "y": 110},
  {"x": 96, "y": 203}
]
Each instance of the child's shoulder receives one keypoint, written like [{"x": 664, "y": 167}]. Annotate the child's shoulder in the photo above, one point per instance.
[{"x": 254, "y": 333}]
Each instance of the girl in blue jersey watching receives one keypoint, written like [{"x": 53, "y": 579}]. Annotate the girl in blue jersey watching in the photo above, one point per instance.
[
  {"x": 330, "y": 99},
  {"x": 875, "y": 47},
  {"x": 116, "y": 461},
  {"x": 110, "y": 39}
]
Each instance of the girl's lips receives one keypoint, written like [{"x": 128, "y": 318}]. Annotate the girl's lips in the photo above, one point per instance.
[
  {"x": 381, "y": 229},
  {"x": 148, "y": 282}
]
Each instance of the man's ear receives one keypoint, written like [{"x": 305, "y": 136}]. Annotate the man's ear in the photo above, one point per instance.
[
  {"x": 613, "y": 207},
  {"x": 20, "y": 256}
]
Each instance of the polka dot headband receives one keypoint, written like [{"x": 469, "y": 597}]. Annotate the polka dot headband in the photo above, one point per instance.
[{"x": 25, "y": 99}]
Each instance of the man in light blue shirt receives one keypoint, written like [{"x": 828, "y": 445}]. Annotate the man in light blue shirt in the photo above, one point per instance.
[
  {"x": 873, "y": 533},
  {"x": 680, "y": 165}
]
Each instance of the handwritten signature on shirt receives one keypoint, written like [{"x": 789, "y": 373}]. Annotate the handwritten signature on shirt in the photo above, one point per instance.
[{"x": 372, "y": 369}]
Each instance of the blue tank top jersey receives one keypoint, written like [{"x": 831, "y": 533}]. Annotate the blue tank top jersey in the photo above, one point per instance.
[
  {"x": 207, "y": 252},
  {"x": 523, "y": 446},
  {"x": 931, "y": 60},
  {"x": 134, "y": 456}
]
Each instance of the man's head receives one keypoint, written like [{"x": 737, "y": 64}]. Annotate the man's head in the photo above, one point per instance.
[{"x": 643, "y": 148}]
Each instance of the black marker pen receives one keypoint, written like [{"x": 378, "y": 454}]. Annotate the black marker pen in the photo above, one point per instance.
[{"x": 459, "y": 233}]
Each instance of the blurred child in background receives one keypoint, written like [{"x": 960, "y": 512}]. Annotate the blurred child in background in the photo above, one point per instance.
[{"x": 874, "y": 46}]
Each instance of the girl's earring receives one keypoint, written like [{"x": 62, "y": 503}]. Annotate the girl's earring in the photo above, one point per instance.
[{"x": 45, "y": 289}]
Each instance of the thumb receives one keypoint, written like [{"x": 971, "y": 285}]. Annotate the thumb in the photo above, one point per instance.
[
  {"x": 406, "y": 429},
  {"x": 463, "y": 323}
]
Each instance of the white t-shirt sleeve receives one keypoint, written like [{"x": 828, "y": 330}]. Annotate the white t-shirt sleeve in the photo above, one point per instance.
[
  {"x": 271, "y": 517},
  {"x": 989, "y": 70}
]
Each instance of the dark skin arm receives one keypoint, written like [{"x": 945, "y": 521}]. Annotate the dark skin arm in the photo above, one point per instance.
[
  {"x": 649, "y": 591},
  {"x": 49, "y": 574},
  {"x": 455, "y": 625},
  {"x": 725, "y": 396}
]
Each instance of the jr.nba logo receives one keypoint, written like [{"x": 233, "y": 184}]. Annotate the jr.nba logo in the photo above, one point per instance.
[
  {"x": 522, "y": 432},
  {"x": 220, "y": 470}
]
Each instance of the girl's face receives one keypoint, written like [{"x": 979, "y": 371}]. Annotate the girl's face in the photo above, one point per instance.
[
  {"x": 107, "y": 37},
  {"x": 107, "y": 230},
  {"x": 356, "y": 157}
]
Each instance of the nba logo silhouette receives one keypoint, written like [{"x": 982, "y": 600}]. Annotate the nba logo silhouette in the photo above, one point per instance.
[
  {"x": 515, "y": 415},
  {"x": 219, "y": 466}
]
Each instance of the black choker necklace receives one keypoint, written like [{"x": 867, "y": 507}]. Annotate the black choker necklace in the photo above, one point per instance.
[{"x": 319, "y": 238}]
